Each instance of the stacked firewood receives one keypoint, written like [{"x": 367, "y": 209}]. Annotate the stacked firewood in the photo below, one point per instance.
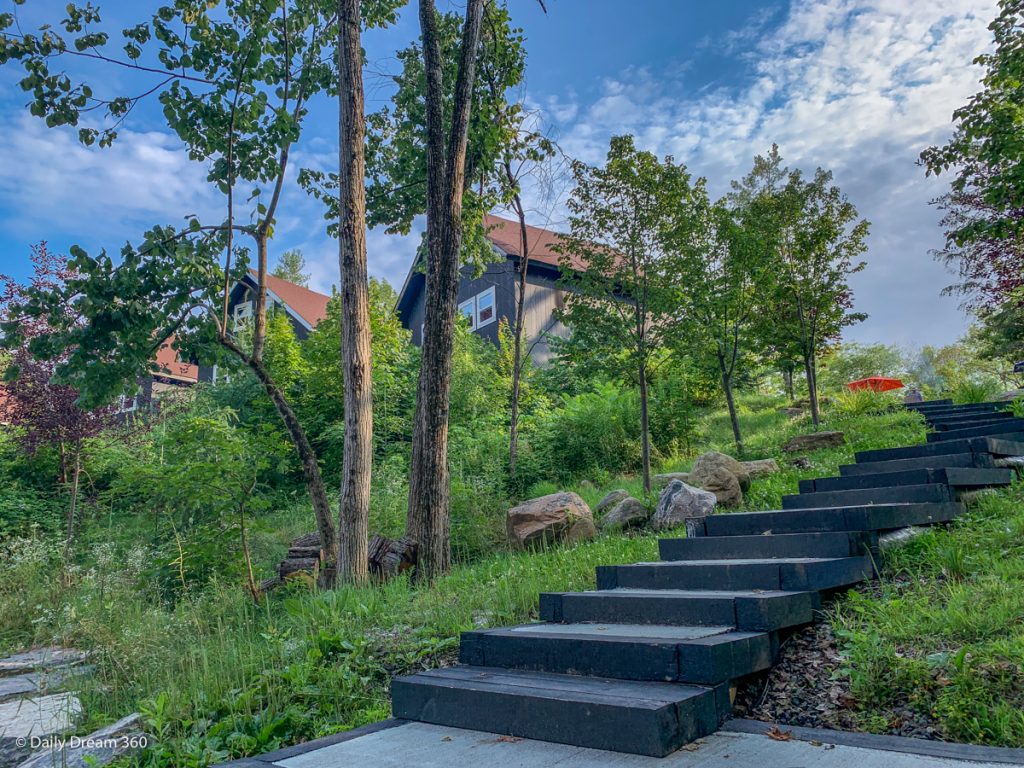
[{"x": 387, "y": 558}]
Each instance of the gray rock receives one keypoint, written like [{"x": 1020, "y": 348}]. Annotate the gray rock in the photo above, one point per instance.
[
  {"x": 25, "y": 720},
  {"x": 611, "y": 500},
  {"x": 680, "y": 502},
  {"x": 40, "y": 658},
  {"x": 32, "y": 683},
  {"x": 628, "y": 513},
  {"x": 555, "y": 517},
  {"x": 814, "y": 441},
  {"x": 663, "y": 480},
  {"x": 759, "y": 467},
  {"x": 125, "y": 737}
]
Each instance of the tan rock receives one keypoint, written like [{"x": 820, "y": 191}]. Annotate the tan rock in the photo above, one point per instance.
[
  {"x": 759, "y": 467},
  {"x": 814, "y": 441},
  {"x": 711, "y": 463},
  {"x": 548, "y": 519},
  {"x": 668, "y": 477}
]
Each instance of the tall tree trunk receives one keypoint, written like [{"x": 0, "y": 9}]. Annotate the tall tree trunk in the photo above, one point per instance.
[
  {"x": 250, "y": 576},
  {"x": 427, "y": 520},
  {"x": 517, "y": 339},
  {"x": 76, "y": 475},
  {"x": 731, "y": 403},
  {"x": 307, "y": 456},
  {"x": 259, "y": 322},
  {"x": 812, "y": 386},
  {"x": 357, "y": 465},
  {"x": 645, "y": 431},
  {"x": 787, "y": 382}
]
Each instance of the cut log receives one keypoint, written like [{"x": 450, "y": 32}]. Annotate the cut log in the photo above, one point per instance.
[
  {"x": 307, "y": 540},
  {"x": 310, "y": 565},
  {"x": 390, "y": 557},
  {"x": 304, "y": 552}
]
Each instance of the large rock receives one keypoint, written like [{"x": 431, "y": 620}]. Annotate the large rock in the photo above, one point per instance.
[
  {"x": 668, "y": 477},
  {"x": 724, "y": 484},
  {"x": 551, "y": 518},
  {"x": 628, "y": 513},
  {"x": 759, "y": 467},
  {"x": 814, "y": 441},
  {"x": 611, "y": 500},
  {"x": 24, "y": 721},
  {"x": 41, "y": 659},
  {"x": 125, "y": 737},
  {"x": 708, "y": 464},
  {"x": 680, "y": 502}
]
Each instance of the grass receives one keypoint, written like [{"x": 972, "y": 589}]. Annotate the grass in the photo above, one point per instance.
[
  {"x": 217, "y": 676},
  {"x": 945, "y": 633}
]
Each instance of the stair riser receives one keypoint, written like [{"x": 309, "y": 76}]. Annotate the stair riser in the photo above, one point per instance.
[
  {"x": 975, "y": 460},
  {"x": 948, "y": 426},
  {"x": 899, "y": 494},
  {"x": 860, "y": 518},
  {"x": 784, "y": 576},
  {"x": 839, "y": 544},
  {"x": 706, "y": 662},
  {"x": 616, "y": 727}
]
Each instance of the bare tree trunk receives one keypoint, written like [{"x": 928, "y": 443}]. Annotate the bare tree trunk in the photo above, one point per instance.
[
  {"x": 259, "y": 322},
  {"x": 427, "y": 520},
  {"x": 645, "y": 431},
  {"x": 307, "y": 456},
  {"x": 76, "y": 474},
  {"x": 731, "y": 403},
  {"x": 812, "y": 386},
  {"x": 354, "y": 510},
  {"x": 787, "y": 382},
  {"x": 517, "y": 339}
]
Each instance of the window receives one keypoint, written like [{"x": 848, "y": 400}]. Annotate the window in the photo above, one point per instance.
[
  {"x": 243, "y": 311},
  {"x": 485, "y": 313},
  {"x": 468, "y": 310},
  {"x": 128, "y": 404}
]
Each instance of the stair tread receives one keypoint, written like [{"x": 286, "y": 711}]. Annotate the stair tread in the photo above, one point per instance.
[
  {"x": 559, "y": 686},
  {"x": 633, "y": 632},
  {"x": 695, "y": 594}
]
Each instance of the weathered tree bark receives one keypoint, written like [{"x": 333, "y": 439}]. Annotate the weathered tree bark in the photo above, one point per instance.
[
  {"x": 427, "y": 520},
  {"x": 811, "y": 374},
  {"x": 357, "y": 464},
  {"x": 730, "y": 402},
  {"x": 517, "y": 339}
]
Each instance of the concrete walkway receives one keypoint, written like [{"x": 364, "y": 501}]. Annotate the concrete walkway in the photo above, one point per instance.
[{"x": 742, "y": 744}]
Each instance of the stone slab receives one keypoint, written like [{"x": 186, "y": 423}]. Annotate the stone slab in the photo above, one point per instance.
[
  {"x": 42, "y": 717},
  {"x": 39, "y": 659},
  {"x": 431, "y": 746}
]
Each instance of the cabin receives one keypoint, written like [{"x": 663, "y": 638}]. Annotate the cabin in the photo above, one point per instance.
[
  {"x": 303, "y": 307},
  {"x": 488, "y": 298}
]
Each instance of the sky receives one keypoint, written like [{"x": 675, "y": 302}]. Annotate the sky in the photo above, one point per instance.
[{"x": 858, "y": 87}]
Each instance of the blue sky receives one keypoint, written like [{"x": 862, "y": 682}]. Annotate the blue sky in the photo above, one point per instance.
[{"x": 856, "y": 86}]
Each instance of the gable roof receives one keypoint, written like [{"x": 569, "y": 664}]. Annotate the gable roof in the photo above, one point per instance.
[
  {"x": 310, "y": 305},
  {"x": 167, "y": 364},
  {"x": 504, "y": 234}
]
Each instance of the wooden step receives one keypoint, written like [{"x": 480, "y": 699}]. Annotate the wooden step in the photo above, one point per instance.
[
  {"x": 993, "y": 428},
  {"x": 1004, "y": 444},
  {"x": 966, "y": 459},
  {"x": 643, "y": 718},
  {"x": 762, "y": 610},
  {"x": 832, "y": 544},
  {"x": 681, "y": 654},
  {"x": 868, "y": 517},
  {"x": 959, "y": 477},
  {"x": 924, "y": 493}
]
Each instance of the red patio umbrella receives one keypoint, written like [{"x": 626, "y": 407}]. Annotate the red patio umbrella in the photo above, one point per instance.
[{"x": 876, "y": 383}]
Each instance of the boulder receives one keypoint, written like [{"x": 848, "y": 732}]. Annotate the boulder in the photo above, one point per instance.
[
  {"x": 724, "y": 484},
  {"x": 759, "y": 467},
  {"x": 711, "y": 463},
  {"x": 663, "y": 480},
  {"x": 23, "y": 721},
  {"x": 611, "y": 500},
  {"x": 41, "y": 659},
  {"x": 628, "y": 513},
  {"x": 814, "y": 441},
  {"x": 555, "y": 517},
  {"x": 1009, "y": 395},
  {"x": 125, "y": 737},
  {"x": 792, "y": 412},
  {"x": 680, "y": 502}
]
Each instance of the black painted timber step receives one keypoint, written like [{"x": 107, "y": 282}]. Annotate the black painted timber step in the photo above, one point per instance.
[
  {"x": 787, "y": 574},
  {"x": 991, "y": 428},
  {"x": 967, "y": 459},
  {"x": 868, "y": 517},
  {"x": 973, "y": 410},
  {"x": 760, "y": 610},
  {"x": 642, "y": 718},
  {"x": 947, "y": 425},
  {"x": 925, "y": 493},
  {"x": 832, "y": 544},
  {"x": 929, "y": 403},
  {"x": 1004, "y": 444},
  {"x": 959, "y": 477},
  {"x": 680, "y": 654}
]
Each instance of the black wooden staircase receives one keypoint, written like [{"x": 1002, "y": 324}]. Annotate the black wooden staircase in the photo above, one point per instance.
[{"x": 644, "y": 664}]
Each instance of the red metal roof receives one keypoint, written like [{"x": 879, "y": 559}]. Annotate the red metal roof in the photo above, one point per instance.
[
  {"x": 167, "y": 364},
  {"x": 505, "y": 234},
  {"x": 309, "y": 305}
]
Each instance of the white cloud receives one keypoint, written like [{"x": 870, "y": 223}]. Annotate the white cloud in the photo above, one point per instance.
[{"x": 856, "y": 86}]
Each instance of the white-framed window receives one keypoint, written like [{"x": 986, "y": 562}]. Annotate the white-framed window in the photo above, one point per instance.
[
  {"x": 128, "y": 404},
  {"x": 486, "y": 310},
  {"x": 468, "y": 310},
  {"x": 243, "y": 310}
]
